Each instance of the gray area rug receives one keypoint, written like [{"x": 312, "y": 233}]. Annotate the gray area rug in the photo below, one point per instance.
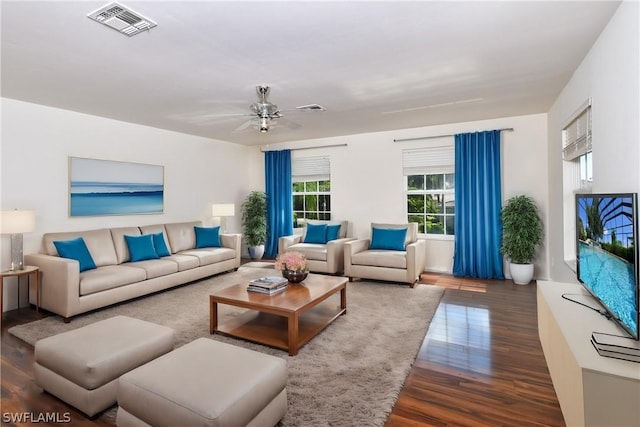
[{"x": 349, "y": 375}]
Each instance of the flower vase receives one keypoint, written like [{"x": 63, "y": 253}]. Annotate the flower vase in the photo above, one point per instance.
[{"x": 294, "y": 276}]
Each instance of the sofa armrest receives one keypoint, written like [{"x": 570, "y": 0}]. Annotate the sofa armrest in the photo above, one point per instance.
[
  {"x": 416, "y": 259},
  {"x": 335, "y": 254},
  {"x": 233, "y": 241},
  {"x": 351, "y": 248},
  {"x": 59, "y": 283},
  {"x": 285, "y": 241}
]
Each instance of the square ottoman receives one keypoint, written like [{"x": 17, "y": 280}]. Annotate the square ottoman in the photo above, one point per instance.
[
  {"x": 82, "y": 366},
  {"x": 205, "y": 383}
]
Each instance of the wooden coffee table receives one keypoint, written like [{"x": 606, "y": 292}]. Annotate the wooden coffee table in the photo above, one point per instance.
[{"x": 286, "y": 320}]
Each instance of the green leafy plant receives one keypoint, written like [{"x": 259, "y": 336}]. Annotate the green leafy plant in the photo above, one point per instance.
[
  {"x": 254, "y": 218},
  {"x": 521, "y": 229}
]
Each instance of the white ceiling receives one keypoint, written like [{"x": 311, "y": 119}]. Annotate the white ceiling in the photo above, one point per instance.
[{"x": 375, "y": 66}]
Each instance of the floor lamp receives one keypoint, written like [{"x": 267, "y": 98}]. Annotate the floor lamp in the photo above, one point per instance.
[
  {"x": 222, "y": 211},
  {"x": 15, "y": 223}
]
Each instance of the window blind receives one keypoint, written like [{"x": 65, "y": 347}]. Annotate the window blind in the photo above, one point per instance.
[
  {"x": 310, "y": 168},
  {"x": 576, "y": 136},
  {"x": 429, "y": 160}
]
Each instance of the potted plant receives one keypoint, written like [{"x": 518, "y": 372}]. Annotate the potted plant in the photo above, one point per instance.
[
  {"x": 521, "y": 235},
  {"x": 254, "y": 223},
  {"x": 293, "y": 266}
]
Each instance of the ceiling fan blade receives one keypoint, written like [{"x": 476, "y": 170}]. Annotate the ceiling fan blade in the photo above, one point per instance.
[{"x": 246, "y": 124}]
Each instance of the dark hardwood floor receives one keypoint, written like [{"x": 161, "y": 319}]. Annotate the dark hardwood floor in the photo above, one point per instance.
[{"x": 481, "y": 364}]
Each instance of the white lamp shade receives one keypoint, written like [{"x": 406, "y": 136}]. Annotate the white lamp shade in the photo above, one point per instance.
[
  {"x": 14, "y": 222},
  {"x": 223, "y": 209}
]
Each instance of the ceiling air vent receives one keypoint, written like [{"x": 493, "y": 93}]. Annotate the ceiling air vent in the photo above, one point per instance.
[{"x": 122, "y": 19}]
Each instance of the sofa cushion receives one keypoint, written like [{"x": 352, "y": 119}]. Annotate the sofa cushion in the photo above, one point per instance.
[
  {"x": 160, "y": 244},
  {"x": 76, "y": 249},
  {"x": 208, "y": 256},
  {"x": 99, "y": 243},
  {"x": 156, "y": 267},
  {"x": 342, "y": 233},
  {"x": 182, "y": 235},
  {"x": 388, "y": 238},
  {"x": 120, "y": 244},
  {"x": 207, "y": 237},
  {"x": 316, "y": 233},
  {"x": 141, "y": 248},
  {"x": 156, "y": 228},
  {"x": 312, "y": 251},
  {"x": 108, "y": 277},
  {"x": 380, "y": 258},
  {"x": 184, "y": 262}
]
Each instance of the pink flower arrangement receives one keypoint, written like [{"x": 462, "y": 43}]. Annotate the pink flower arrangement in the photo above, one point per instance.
[{"x": 293, "y": 261}]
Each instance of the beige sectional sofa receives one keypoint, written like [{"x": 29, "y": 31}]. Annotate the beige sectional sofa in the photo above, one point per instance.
[{"x": 67, "y": 292}]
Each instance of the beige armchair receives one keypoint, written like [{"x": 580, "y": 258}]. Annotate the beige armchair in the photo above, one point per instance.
[
  {"x": 382, "y": 258},
  {"x": 322, "y": 256}
]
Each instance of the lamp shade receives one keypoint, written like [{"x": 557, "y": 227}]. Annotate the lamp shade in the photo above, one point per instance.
[
  {"x": 14, "y": 222},
  {"x": 223, "y": 209}
]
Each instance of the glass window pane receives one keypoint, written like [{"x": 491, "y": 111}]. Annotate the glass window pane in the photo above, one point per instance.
[
  {"x": 450, "y": 203},
  {"x": 449, "y": 181},
  {"x": 325, "y": 185},
  {"x": 324, "y": 216},
  {"x": 312, "y": 186},
  {"x": 298, "y": 202},
  {"x": 325, "y": 202},
  {"x": 415, "y": 182},
  {"x": 310, "y": 202},
  {"x": 415, "y": 203},
  {"x": 434, "y": 224},
  {"x": 420, "y": 220},
  {"x": 450, "y": 225},
  {"x": 298, "y": 187},
  {"x": 434, "y": 182},
  {"x": 311, "y": 215},
  {"x": 434, "y": 203}
]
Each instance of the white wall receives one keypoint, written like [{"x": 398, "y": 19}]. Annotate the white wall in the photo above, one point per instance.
[
  {"x": 609, "y": 74},
  {"x": 37, "y": 141},
  {"x": 367, "y": 184}
]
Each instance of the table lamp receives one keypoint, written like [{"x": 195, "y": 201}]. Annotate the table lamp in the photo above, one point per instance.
[
  {"x": 222, "y": 211},
  {"x": 15, "y": 223}
]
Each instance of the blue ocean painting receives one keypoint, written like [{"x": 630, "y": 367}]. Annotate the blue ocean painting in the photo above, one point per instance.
[{"x": 107, "y": 187}]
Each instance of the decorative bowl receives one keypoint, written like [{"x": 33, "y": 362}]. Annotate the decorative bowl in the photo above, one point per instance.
[{"x": 294, "y": 276}]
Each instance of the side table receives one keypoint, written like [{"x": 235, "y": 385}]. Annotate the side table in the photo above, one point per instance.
[{"x": 31, "y": 272}]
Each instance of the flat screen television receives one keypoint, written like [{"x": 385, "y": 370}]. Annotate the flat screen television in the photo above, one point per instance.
[{"x": 607, "y": 254}]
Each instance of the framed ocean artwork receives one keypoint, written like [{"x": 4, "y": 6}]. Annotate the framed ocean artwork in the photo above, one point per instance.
[{"x": 107, "y": 187}]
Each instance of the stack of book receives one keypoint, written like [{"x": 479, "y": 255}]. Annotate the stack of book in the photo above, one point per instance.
[
  {"x": 268, "y": 285},
  {"x": 616, "y": 346}
]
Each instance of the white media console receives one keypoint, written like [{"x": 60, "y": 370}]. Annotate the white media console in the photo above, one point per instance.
[{"x": 592, "y": 390}]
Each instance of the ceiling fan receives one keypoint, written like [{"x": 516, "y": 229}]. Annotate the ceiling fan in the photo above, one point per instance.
[{"x": 265, "y": 113}]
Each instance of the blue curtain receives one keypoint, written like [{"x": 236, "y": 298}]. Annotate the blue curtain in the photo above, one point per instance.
[
  {"x": 279, "y": 198},
  {"x": 478, "y": 228}
]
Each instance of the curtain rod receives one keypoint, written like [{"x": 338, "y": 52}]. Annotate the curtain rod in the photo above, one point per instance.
[
  {"x": 307, "y": 148},
  {"x": 436, "y": 136}
]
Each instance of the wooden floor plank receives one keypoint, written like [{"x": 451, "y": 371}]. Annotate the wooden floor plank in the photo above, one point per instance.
[{"x": 481, "y": 364}]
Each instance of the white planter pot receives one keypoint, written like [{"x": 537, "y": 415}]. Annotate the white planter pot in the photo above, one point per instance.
[
  {"x": 256, "y": 252},
  {"x": 521, "y": 274}
]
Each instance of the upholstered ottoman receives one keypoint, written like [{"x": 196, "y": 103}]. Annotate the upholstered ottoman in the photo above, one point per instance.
[
  {"x": 82, "y": 366},
  {"x": 204, "y": 383}
]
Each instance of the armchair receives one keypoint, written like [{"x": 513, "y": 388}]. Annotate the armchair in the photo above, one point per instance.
[
  {"x": 325, "y": 253},
  {"x": 386, "y": 256}
]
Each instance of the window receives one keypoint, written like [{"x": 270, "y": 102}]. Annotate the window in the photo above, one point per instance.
[
  {"x": 431, "y": 203},
  {"x": 430, "y": 188},
  {"x": 577, "y": 171},
  {"x": 311, "y": 188}
]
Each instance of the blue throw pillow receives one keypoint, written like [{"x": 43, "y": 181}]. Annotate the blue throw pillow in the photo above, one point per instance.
[
  {"x": 316, "y": 233},
  {"x": 207, "y": 237},
  {"x": 388, "y": 238},
  {"x": 160, "y": 245},
  {"x": 333, "y": 231},
  {"x": 141, "y": 247},
  {"x": 76, "y": 249}
]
